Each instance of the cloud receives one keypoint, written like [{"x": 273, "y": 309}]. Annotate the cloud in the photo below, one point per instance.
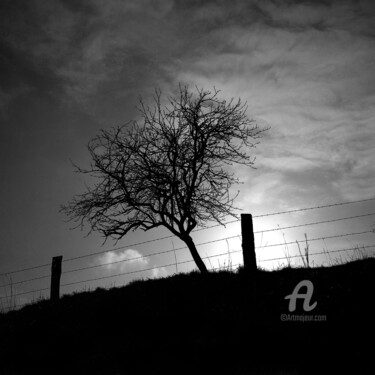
[
  {"x": 130, "y": 260},
  {"x": 306, "y": 70},
  {"x": 123, "y": 261},
  {"x": 90, "y": 54},
  {"x": 159, "y": 272},
  {"x": 288, "y": 163},
  {"x": 259, "y": 188}
]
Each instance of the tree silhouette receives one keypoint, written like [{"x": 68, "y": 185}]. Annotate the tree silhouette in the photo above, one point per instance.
[{"x": 169, "y": 171}]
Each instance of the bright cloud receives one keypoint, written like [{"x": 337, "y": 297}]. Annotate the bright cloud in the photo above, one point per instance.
[
  {"x": 160, "y": 272},
  {"x": 307, "y": 70},
  {"x": 123, "y": 260}
]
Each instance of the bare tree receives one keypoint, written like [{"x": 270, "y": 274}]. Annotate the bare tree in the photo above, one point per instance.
[{"x": 170, "y": 170}]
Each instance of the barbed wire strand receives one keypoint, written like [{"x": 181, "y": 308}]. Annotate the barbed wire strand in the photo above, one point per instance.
[
  {"x": 148, "y": 269},
  {"x": 211, "y": 256},
  {"x": 26, "y": 281},
  {"x": 235, "y": 236},
  {"x": 314, "y": 223},
  {"x": 319, "y": 253},
  {"x": 232, "y": 267},
  {"x": 200, "y": 244},
  {"x": 314, "y": 207},
  {"x": 221, "y": 239},
  {"x": 170, "y": 236},
  {"x": 217, "y": 225},
  {"x": 120, "y": 261},
  {"x": 25, "y": 269},
  {"x": 171, "y": 250},
  {"x": 124, "y": 273},
  {"x": 212, "y": 269},
  {"x": 207, "y": 257},
  {"x": 189, "y": 261},
  {"x": 137, "y": 258},
  {"x": 315, "y": 239}
]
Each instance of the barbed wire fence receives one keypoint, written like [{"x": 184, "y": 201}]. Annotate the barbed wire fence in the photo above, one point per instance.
[{"x": 16, "y": 292}]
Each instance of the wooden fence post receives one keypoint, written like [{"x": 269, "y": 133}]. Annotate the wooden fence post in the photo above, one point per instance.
[
  {"x": 55, "y": 278},
  {"x": 248, "y": 244}
]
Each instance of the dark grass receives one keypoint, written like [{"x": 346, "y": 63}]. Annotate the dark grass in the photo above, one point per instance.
[{"x": 222, "y": 322}]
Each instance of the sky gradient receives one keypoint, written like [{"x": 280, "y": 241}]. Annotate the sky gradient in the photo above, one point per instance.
[{"x": 69, "y": 68}]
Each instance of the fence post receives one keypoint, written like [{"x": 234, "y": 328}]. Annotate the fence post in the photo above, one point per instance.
[
  {"x": 55, "y": 278},
  {"x": 248, "y": 244}
]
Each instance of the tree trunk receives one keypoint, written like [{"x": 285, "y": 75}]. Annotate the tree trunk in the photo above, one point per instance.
[{"x": 194, "y": 252}]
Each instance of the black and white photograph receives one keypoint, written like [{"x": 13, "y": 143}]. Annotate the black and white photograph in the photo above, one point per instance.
[{"x": 187, "y": 187}]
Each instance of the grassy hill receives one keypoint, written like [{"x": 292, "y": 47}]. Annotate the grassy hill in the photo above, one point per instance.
[{"x": 222, "y": 322}]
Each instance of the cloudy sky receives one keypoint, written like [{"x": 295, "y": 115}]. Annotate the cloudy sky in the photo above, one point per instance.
[{"x": 69, "y": 68}]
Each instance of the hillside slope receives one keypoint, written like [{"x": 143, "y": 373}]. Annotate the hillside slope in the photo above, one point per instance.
[{"x": 218, "y": 323}]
